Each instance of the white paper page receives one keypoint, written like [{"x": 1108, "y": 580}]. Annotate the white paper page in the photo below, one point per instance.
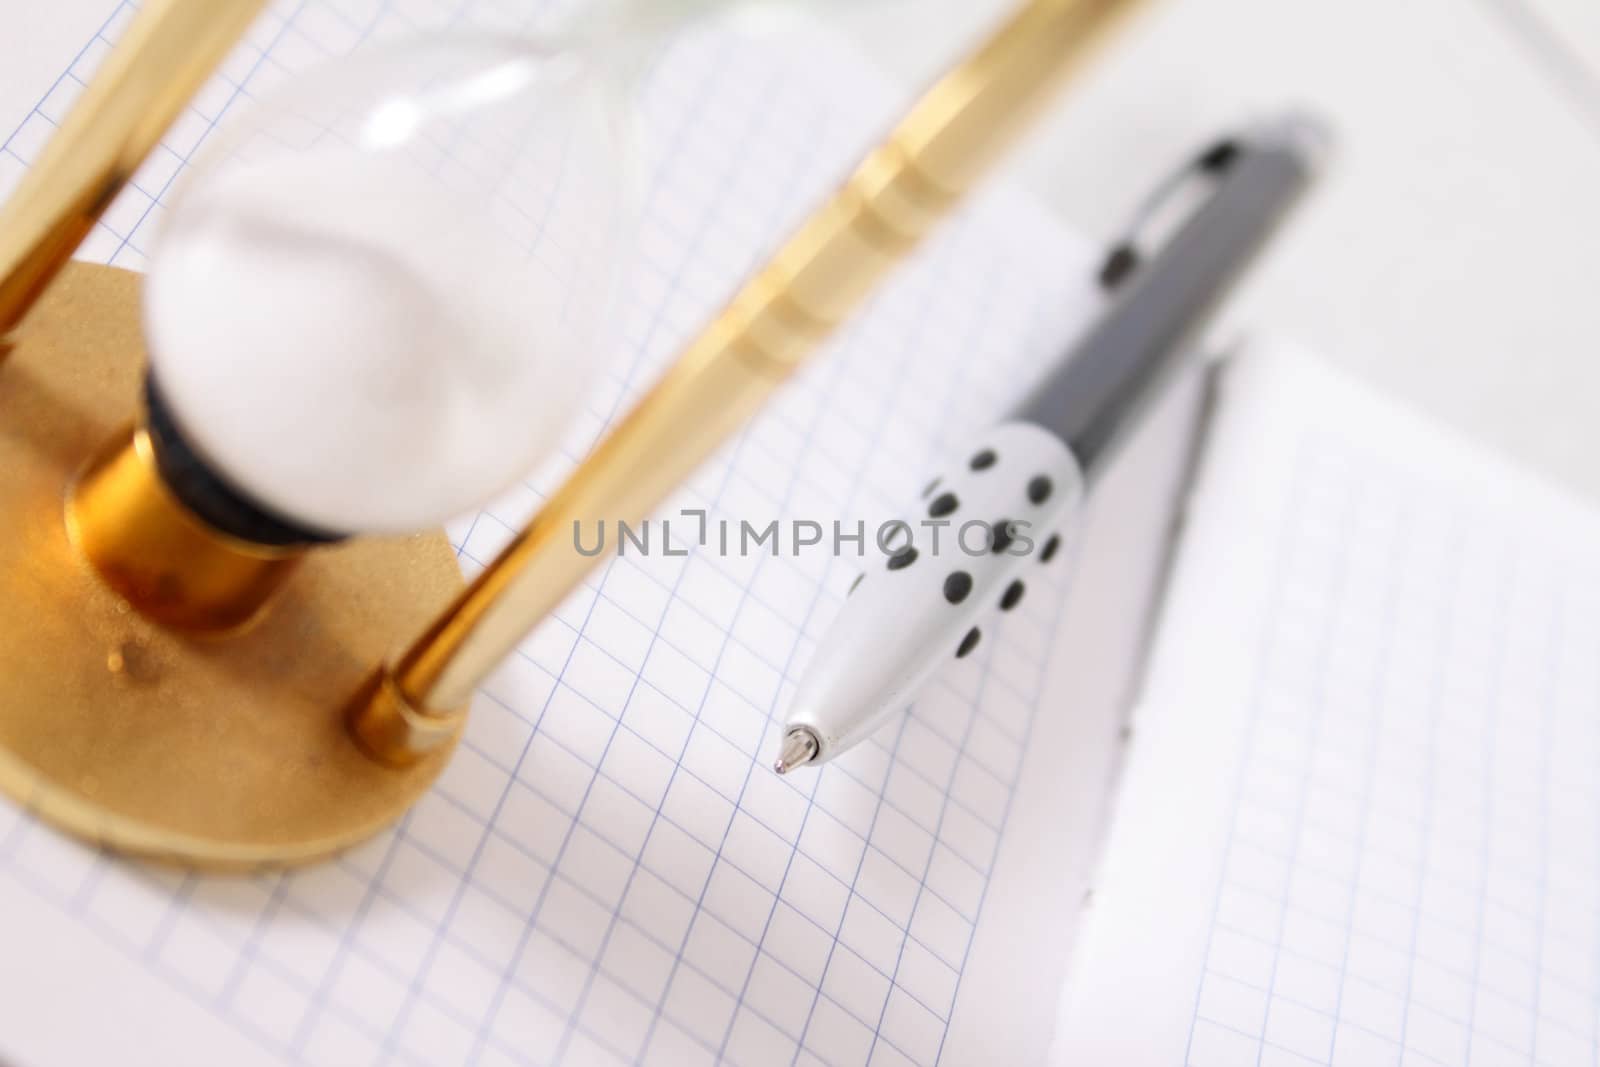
[
  {"x": 608, "y": 871},
  {"x": 1564, "y": 37},
  {"x": 1361, "y": 821}
]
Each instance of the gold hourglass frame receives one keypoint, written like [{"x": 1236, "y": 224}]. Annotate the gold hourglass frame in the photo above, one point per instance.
[{"x": 168, "y": 690}]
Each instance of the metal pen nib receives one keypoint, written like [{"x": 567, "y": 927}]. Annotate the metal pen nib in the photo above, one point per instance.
[{"x": 799, "y": 748}]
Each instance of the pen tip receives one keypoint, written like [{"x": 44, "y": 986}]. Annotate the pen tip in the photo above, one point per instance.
[{"x": 799, "y": 748}]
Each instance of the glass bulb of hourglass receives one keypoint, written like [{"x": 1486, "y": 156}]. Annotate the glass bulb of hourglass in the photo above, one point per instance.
[{"x": 381, "y": 296}]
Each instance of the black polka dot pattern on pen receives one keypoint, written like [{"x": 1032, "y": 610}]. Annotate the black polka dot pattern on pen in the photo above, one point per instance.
[
  {"x": 1050, "y": 547},
  {"x": 903, "y": 558},
  {"x": 942, "y": 505},
  {"x": 1012, "y": 596},
  {"x": 983, "y": 460},
  {"x": 957, "y": 586},
  {"x": 1000, "y": 536},
  {"x": 928, "y": 491},
  {"x": 968, "y": 643},
  {"x": 1039, "y": 489}
]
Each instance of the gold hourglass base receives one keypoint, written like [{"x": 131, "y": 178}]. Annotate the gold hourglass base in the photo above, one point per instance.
[{"x": 223, "y": 751}]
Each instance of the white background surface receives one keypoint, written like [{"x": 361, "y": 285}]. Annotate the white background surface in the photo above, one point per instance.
[
  {"x": 1045, "y": 860},
  {"x": 1359, "y": 820},
  {"x": 1452, "y": 256}
]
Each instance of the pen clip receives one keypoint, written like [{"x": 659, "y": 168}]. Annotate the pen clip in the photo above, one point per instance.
[{"x": 1199, "y": 173}]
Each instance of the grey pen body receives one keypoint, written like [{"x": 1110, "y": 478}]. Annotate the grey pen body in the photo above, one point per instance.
[
  {"x": 905, "y": 619},
  {"x": 1160, "y": 307}
]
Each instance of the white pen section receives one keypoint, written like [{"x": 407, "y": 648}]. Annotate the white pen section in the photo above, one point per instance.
[{"x": 1003, "y": 508}]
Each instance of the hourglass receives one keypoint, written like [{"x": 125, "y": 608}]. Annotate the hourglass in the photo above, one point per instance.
[{"x": 230, "y": 635}]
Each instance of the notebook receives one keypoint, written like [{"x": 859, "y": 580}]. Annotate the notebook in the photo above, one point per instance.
[
  {"x": 609, "y": 871},
  {"x": 1360, "y": 820}
]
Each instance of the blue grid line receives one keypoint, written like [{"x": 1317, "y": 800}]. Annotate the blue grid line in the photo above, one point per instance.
[
  {"x": 248, "y": 956},
  {"x": 104, "y": 859},
  {"x": 704, "y": 88},
  {"x": 606, "y": 939},
  {"x": 490, "y": 757},
  {"x": 923, "y": 888},
  {"x": 1435, "y": 717},
  {"x": 150, "y": 952},
  {"x": 944, "y": 684},
  {"x": 277, "y": 896},
  {"x": 852, "y": 895},
  {"x": 180, "y": 982},
  {"x": 1076, "y": 545},
  {"x": 808, "y": 437},
  {"x": 211, "y": 125},
  {"x": 1491, "y": 715},
  {"x": 954, "y": 393},
  {"x": 776, "y": 415},
  {"x": 1341, "y": 1022},
  {"x": 433, "y": 854},
  {"x": 974, "y": 761},
  {"x": 657, "y": 815},
  {"x": 1370, "y": 775},
  {"x": 1443, "y": 967},
  {"x": 35, "y": 110},
  {"x": 307, "y": 1026},
  {"x": 369, "y": 957},
  {"x": 1493, "y": 627},
  {"x": 866, "y": 557},
  {"x": 1279, "y": 569},
  {"x": 1595, "y": 956},
  {"x": 572, "y": 1019},
  {"x": 183, "y": 895},
  {"x": 392, "y": 897},
  {"x": 53, "y": 124},
  {"x": 169, "y": 921},
  {"x": 781, "y": 671},
  {"x": 971, "y": 919},
  {"x": 1267, "y": 1043},
  {"x": 173, "y": 978},
  {"x": 1320, "y": 699},
  {"x": 483, "y": 1036},
  {"x": 323, "y": 995}
]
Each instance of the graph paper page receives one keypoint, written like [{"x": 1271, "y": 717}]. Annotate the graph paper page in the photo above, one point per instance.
[
  {"x": 1361, "y": 822},
  {"x": 608, "y": 872}
]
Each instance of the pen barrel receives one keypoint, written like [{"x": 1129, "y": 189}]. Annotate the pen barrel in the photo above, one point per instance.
[
  {"x": 1158, "y": 313},
  {"x": 990, "y": 526},
  {"x": 165, "y": 55},
  {"x": 912, "y": 180}
]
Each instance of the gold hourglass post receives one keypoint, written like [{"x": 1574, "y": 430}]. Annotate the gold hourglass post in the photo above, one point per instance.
[
  {"x": 116, "y": 723},
  {"x": 912, "y": 180},
  {"x": 166, "y": 54}
]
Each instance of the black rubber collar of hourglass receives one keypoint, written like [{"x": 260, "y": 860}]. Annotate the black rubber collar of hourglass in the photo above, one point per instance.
[{"x": 204, "y": 492}]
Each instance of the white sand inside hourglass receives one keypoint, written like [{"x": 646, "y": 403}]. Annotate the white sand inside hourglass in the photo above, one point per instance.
[{"x": 353, "y": 347}]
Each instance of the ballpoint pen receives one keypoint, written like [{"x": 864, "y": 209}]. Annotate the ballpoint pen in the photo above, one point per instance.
[
  {"x": 914, "y": 177},
  {"x": 1021, "y": 483}
]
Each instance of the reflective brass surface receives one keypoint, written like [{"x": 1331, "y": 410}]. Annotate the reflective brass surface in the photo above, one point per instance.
[
  {"x": 816, "y": 279},
  {"x": 215, "y": 751},
  {"x": 165, "y": 55},
  {"x": 158, "y": 555},
  {"x": 393, "y": 730}
]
